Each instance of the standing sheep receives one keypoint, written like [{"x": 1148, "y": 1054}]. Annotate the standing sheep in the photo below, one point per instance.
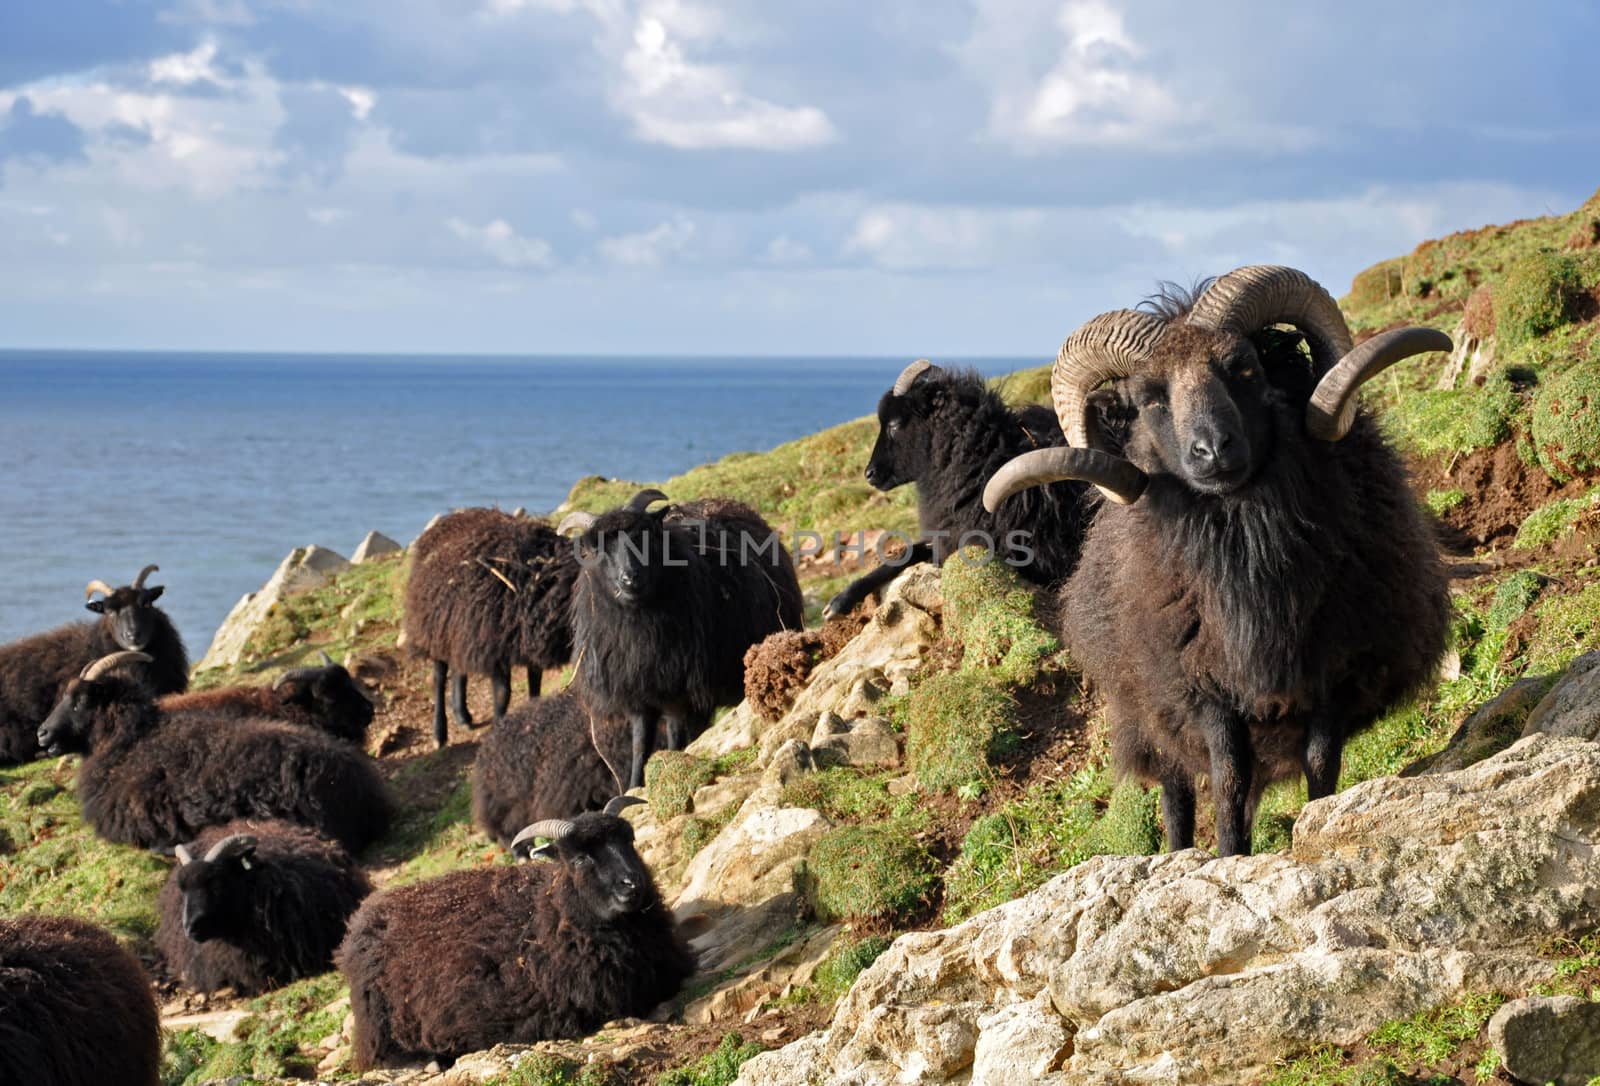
[
  {"x": 326, "y": 698},
  {"x": 665, "y": 607},
  {"x": 488, "y": 592},
  {"x": 35, "y": 670},
  {"x": 265, "y": 904},
  {"x": 947, "y": 431},
  {"x": 75, "y": 1008},
  {"x": 146, "y": 780},
  {"x": 521, "y": 954},
  {"x": 1262, "y": 583}
]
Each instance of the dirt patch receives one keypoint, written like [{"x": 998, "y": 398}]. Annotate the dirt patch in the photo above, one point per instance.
[{"x": 1500, "y": 493}]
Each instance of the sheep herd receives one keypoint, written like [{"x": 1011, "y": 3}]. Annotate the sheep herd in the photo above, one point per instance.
[{"x": 1244, "y": 573}]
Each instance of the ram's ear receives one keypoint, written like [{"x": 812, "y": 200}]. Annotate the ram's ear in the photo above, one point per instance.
[
  {"x": 153, "y": 594},
  {"x": 97, "y": 606}
]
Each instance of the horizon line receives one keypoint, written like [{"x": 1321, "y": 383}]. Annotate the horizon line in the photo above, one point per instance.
[{"x": 598, "y": 356}]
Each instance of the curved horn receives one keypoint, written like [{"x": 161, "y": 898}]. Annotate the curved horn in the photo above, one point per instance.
[
  {"x": 1250, "y": 298},
  {"x": 1116, "y": 477},
  {"x": 238, "y": 844},
  {"x": 1111, "y": 345},
  {"x": 106, "y": 663},
  {"x": 1332, "y": 409},
  {"x": 581, "y": 521},
  {"x": 294, "y": 674},
  {"x": 97, "y": 586},
  {"x": 327, "y": 661},
  {"x": 551, "y": 828},
  {"x": 909, "y": 375},
  {"x": 617, "y": 803},
  {"x": 642, "y": 501},
  {"x": 138, "y": 582},
  {"x": 185, "y": 857}
]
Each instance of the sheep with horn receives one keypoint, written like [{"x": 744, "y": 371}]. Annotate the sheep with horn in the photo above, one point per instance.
[
  {"x": 1260, "y": 583},
  {"x": 327, "y": 698}
]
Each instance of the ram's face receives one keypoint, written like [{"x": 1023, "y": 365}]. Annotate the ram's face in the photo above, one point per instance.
[
  {"x": 902, "y": 446},
  {"x": 329, "y": 692},
  {"x": 606, "y": 870},
  {"x": 632, "y": 562},
  {"x": 208, "y": 890},
  {"x": 67, "y": 728},
  {"x": 1199, "y": 412},
  {"x": 131, "y": 613}
]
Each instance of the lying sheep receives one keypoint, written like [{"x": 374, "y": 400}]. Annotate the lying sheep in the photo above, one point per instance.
[
  {"x": 947, "y": 431},
  {"x": 545, "y": 759},
  {"x": 666, "y": 605},
  {"x": 326, "y": 698},
  {"x": 75, "y": 1008},
  {"x": 147, "y": 780},
  {"x": 265, "y": 904},
  {"x": 1261, "y": 583},
  {"x": 539, "y": 951},
  {"x": 489, "y": 591},
  {"x": 35, "y": 670}
]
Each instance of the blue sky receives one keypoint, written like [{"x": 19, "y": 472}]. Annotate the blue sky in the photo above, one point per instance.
[{"x": 940, "y": 177}]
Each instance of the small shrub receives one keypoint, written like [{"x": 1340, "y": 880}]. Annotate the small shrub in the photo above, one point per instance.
[
  {"x": 1566, "y": 423},
  {"x": 957, "y": 722},
  {"x": 1434, "y": 1036},
  {"x": 991, "y": 612},
  {"x": 671, "y": 779},
  {"x": 1130, "y": 825},
  {"x": 1535, "y": 296},
  {"x": 1441, "y": 502},
  {"x": 1377, "y": 284},
  {"x": 1456, "y": 420},
  {"x": 844, "y": 793},
  {"x": 1513, "y": 597},
  {"x": 718, "y": 1067},
  {"x": 1477, "y": 317},
  {"x": 868, "y": 873},
  {"x": 844, "y": 963},
  {"x": 1546, "y": 523}
]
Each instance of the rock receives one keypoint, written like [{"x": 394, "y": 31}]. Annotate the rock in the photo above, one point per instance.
[
  {"x": 1398, "y": 895},
  {"x": 1548, "y": 1039},
  {"x": 1491, "y": 728},
  {"x": 304, "y": 569},
  {"x": 1573, "y": 705},
  {"x": 866, "y": 742},
  {"x": 374, "y": 545},
  {"x": 1473, "y": 354},
  {"x": 220, "y": 1026},
  {"x": 796, "y": 964}
]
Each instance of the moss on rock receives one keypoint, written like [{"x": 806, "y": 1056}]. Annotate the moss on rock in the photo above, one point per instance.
[
  {"x": 1566, "y": 423},
  {"x": 867, "y": 873},
  {"x": 1536, "y": 296},
  {"x": 991, "y": 612},
  {"x": 957, "y": 723},
  {"x": 671, "y": 778}
]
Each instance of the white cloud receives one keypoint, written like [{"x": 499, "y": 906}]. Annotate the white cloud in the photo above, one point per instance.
[
  {"x": 503, "y": 244},
  {"x": 361, "y": 100},
  {"x": 651, "y": 248},
  {"x": 694, "y": 106},
  {"x": 186, "y": 68},
  {"x": 784, "y": 249}
]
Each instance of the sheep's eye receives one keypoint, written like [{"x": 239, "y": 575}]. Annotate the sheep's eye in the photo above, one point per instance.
[
  {"x": 580, "y": 860},
  {"x": 1247, "y": 373}
]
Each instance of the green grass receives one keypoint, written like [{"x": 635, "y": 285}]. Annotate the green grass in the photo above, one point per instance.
[
  {"x": 991, "y": 613},
  {"x": 56, "y": 864},
  {"x": 1550, "y": 521},
  {"x": 1566, "y": 421},
  {"x": 1433, "y": 1036},
  {"x": 427, "y": 841},
  {"x": 1441, "y": 502},
  {"x": 1536, "y": 295},
  {"x": 1422, "y": 1042},
  {"x": 718, "y": 1067},
  {"x": 671, "y": 779},
  {"x": 272, "y": 1041},
  {"x": 1568, "y": 624},
  {"x": 958, "y": 722},
  {"x": 1430, "y": 421},
  {"x": 1512, "y": 597},
  {"x": 847, "y": 794},
  {"x": 542, "y": 1069},
  {"x": 868, "y": 873}
]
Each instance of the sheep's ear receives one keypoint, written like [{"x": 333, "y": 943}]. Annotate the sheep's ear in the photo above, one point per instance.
[
  {"x": 97, "y": 606},
  {"x": 153, "y": 594}
]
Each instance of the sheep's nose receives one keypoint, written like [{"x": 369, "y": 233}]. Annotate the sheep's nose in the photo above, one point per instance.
[
  {"x": 1210, "y": 448},
  {"x": 872, "y": 475}
]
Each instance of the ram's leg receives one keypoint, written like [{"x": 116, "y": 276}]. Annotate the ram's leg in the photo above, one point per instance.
[
  {"x": 1232, "y": 767},
  {"x": 441, "y": 731},
  {"x": 500, "y": 684},
  {"x": 1321, "y": 760},
  {"x": 856, "y": 592},
  {"x": 458, "y": 699},
  {"x": 1177, "y": 809},
  {"x": 678, "y": 730},
  {"x": 643, "y": 724},
  {"x": 535, "y": 679}
]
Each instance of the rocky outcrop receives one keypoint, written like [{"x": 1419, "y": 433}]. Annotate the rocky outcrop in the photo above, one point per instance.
[
  {"x": 374, "y": 545},
  {"x": 1572, "y": 708},
  {"x": 1552, "y": 1039},
  {"x": 304, "y": 569},
  {"x": 1398, "y": 895}
]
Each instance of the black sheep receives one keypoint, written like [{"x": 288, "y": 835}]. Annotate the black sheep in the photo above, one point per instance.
[
  {"x": 666, "y": 605},
  {"x": 35, "y": 670},
  {"x": 541, "y": 761},
  {"x": 518, "y": 954},
  {"x": 326, "y": 698},
  {"x": 947, "y": 431},
  {"x": 75, "y": 1008},
  {"x": 489, "y": 591},
  {"x": 150, "y": 781},
  {"x": 1262, "y": 583},
  {"x": 265, "y": 903}
]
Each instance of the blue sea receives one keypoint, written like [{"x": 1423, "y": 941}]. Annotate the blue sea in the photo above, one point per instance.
[{"x": 214, "y": 466}]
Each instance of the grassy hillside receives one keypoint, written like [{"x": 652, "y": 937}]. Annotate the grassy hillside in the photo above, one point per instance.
[{"x": 1010, "y": 774}]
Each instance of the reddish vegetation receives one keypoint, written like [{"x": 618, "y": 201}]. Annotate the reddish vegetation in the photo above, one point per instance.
[
  {"x": 775, "y": 670},
  {"x": 1478, "y": 316}
]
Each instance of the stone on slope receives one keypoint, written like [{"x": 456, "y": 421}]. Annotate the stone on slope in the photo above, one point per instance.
[
  {"x": 1573, "y": 705},
  {"x": 302, "y": 570},
  {"x": 1548, "y": 1039},
  {"x": 1399, "y": 895},
  {"x": 374, "y": 545}
]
